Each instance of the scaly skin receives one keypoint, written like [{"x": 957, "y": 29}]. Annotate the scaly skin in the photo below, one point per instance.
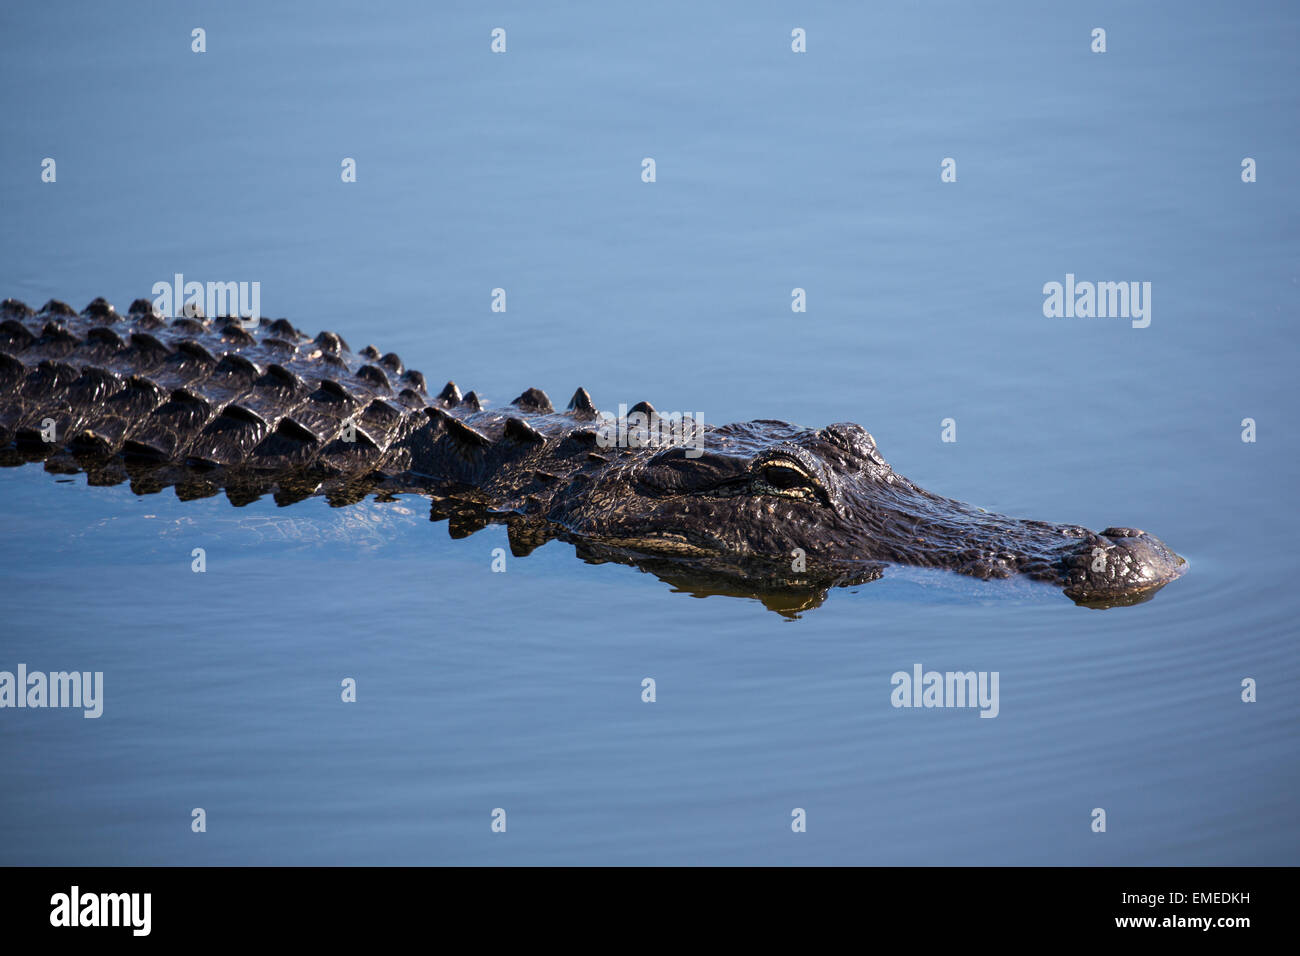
[{"x": 206, "y": 405}]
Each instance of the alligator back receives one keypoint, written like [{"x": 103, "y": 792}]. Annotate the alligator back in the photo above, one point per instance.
[{"x": 203, "y": 404}]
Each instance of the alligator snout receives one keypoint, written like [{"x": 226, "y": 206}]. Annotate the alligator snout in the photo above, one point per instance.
[{"x": 1120, "y": 566}]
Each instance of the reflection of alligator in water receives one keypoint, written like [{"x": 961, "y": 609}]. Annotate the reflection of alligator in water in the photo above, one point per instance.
[{"x": 767, "y": 509}]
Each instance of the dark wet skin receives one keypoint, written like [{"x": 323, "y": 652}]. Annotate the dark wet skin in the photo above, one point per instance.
[{"x": 765, "y": 509}]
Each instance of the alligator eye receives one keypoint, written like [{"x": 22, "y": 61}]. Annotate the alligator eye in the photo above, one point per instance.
[{"x": 783, "y": 477}]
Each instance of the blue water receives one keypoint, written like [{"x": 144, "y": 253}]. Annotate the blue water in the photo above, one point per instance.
[{"x": 522, "y": 690}]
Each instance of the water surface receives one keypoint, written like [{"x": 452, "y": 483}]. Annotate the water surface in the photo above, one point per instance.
[{"x": 522, "y": 690}]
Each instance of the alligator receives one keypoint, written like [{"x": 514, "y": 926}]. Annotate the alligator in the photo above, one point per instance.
[{"x": 762, "y": 508}]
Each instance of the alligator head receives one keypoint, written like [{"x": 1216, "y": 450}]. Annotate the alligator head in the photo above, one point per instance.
[{"x": 803, "y": 508}]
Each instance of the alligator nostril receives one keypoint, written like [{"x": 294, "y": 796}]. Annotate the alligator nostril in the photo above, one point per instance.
[{"x": 1123, "y": 533}]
